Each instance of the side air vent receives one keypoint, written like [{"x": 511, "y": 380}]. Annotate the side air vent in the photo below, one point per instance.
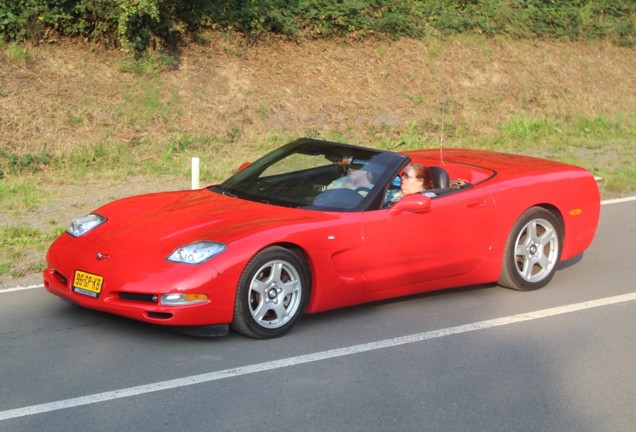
[
  {"x": 148, "y": 298},
  {"x": 160, "y": 315}
]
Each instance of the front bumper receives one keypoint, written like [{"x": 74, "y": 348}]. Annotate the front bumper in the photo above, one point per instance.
[{"x": 132, "y": 286}]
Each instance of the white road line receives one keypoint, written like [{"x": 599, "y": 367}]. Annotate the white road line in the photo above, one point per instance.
[
  {"x": 19, "y": 288},
  {"x": 308, "y": 358},
  {"x": 618, "y": 200}
]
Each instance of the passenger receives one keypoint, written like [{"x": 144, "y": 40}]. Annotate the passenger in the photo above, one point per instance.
[{"x": 415, "y": 179}]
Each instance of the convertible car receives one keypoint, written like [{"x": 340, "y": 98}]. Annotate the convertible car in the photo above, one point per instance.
[{"x": 297, "y": 232}]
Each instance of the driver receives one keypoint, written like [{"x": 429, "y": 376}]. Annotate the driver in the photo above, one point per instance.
[
  {"x": 416, "y": 178},
  {"x": 358, "y": 176}
]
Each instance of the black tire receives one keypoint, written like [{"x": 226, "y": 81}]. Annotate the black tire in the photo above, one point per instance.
[
  {"x": 533, "y": 251},
  {"x": 272, "y": 293}
]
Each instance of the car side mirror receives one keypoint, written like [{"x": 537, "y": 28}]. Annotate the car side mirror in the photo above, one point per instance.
[
  {"x": 243, "y": 166},
  {"x": 412, "y": 203}
]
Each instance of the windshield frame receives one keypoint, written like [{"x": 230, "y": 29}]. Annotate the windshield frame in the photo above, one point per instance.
[{"x": 249, "y": 184}]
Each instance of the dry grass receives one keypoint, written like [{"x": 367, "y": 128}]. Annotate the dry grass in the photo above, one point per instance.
[{"x": 62, "y": 97}]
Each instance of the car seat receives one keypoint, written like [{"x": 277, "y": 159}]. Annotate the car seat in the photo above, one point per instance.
[{"x": 439, "y": 177}]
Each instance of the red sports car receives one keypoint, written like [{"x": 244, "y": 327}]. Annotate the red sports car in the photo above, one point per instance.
[{"x": 303, "y": 230}]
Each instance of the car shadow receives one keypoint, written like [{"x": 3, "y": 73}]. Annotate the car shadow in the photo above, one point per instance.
[{"x": 569, "y": 263}]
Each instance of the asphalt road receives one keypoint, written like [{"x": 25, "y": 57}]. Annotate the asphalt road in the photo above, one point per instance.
[{"x": 476, "y": 359}]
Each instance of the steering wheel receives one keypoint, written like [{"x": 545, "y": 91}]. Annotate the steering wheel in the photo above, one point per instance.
[{"x": 364, "y": 191}]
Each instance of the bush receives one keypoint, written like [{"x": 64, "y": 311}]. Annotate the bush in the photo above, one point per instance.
[
  {"x": 137, "y": 25},
  {"x": 38, "y": 20}
]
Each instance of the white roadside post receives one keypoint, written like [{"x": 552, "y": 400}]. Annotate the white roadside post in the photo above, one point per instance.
[{"x": 195, "y": 173}]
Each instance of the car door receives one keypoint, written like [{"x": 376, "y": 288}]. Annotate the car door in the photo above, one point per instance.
[{"x": 407, "y": 251}]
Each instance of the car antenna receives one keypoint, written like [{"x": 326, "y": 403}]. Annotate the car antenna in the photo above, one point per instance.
[{"x": 441, "y": 136}]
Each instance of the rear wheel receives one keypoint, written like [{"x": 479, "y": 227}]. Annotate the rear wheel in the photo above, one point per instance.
[
  {"x": 532, "y": 251},
  {"x": 272, "y": 293}
]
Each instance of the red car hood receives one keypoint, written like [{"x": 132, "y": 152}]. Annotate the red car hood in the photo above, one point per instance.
[{"x": 166, "y": 220}]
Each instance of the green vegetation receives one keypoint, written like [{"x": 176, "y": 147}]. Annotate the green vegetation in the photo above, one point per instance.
[
  {"x": 19, "y": 195},
  {"x": 143, "y": 24},
  {"x": 600, "y": 144},
  {"x": 17, "y": 243}
]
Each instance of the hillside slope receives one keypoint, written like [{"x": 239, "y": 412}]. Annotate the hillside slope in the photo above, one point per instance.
[{"x": 60, "y": 96}]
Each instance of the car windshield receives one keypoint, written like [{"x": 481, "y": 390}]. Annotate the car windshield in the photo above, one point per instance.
[{"x": 315, "y": 174}]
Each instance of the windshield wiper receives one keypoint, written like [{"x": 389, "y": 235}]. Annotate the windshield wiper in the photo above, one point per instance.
[{"x": 222, "y": 191}]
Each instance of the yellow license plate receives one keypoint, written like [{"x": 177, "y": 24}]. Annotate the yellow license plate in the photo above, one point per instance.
[{"x": 87, "y": 283}]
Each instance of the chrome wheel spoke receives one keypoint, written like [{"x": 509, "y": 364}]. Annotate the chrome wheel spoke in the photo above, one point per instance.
[
  {"x": 260, "y": 311},
  {"x": 544, "y": 263},
  {"x": 277, "y": 271},
  {"x": 280, "y": 311},
  {"x": 290, "y": 288},
  {"x": 527, "y": 268},
  {"x": 532, "y": 251},
  {"x": 258, "y": 287},
  {"x": 547, "y": 238},
  {"x": 275, "y": 294},
  {"x": 535, "y": 250},
  {"x": 522, "y": 250},
  {"x": 532, "y": 232}
]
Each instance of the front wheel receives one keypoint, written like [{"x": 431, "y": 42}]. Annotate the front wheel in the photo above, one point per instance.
[
  {"x": 272, "y": 293},
  {"x": 532, "y": 251}
]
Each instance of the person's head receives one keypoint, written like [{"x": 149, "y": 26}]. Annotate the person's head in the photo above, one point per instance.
[
  {"x": 358, "y": 176},
  {"x": 415, "y": 178},
  {"x": 364, "y": 174}
]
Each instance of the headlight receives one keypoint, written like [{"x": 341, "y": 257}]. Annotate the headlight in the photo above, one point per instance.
[
  {"x": 197, "y": 252},
  {"x": 81, "y": 226},
  {"x": 183, "y": 299}
]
